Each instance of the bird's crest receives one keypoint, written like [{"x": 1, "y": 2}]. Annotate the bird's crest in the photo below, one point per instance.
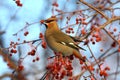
[{"x": 52, "y": 18}]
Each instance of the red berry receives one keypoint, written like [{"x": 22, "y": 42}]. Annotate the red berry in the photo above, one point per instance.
[
  {"x": 113, "y": 44},
  {"x": 26, "y": 33},
  {"x": 118, "y": 49},
  {"x": 98, "y": 39},
  {"x": 67, "y": 31},
  {"x": 13, "y": 51},
  {"x": 114, "y": 29},
  {"x": 92, "y": 78},
  {"x": 41, "y": 35},
  {"x": 44, "y": 45},
  {"x": 101, "y": 49},
  {"x": 86, "y": 42},
  {"x": 33, "y": 60},
  {"x": 55, "y": 4},
  {"x": 81, "y": 62},
  {"x": 77, "y": 20},
  {"x": 10, "y": 54},
  {"x": 20, "y": 67},
  {"x": 83, "y": 31},
  {"x": 107, "y": 68},
  {"x": 37, "y": 58},
  {"x": 32, "y": 53}
]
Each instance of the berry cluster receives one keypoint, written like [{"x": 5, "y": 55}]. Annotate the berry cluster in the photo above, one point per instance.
[{"x": 60, "y": 67}]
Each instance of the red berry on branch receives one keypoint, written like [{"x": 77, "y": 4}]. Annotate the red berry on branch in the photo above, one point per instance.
[
  {"x": 44, "y": 45},
  {"x": 41, "y": 35},
  {"x": 26, "y": 33}
]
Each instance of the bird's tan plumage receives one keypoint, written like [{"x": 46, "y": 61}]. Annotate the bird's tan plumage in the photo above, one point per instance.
[{"x": 59, "y": 41}]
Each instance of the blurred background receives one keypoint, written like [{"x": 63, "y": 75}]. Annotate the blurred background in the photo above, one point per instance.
[{"x": 14, "y": 18}]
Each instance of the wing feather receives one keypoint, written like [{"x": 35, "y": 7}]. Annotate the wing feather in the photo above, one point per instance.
[{"x": 66, "y": 40}]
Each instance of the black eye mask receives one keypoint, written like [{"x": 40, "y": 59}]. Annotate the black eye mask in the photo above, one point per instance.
[{"x": 48, "y": 21}]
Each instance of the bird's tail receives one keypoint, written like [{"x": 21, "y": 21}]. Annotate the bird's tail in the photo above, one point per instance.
[{"x": 78, "y": 55}]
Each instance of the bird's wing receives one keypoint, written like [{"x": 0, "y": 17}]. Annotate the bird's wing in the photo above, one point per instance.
[
  {"x": 66, "y": 40},
  {"x": 75, "y": 46},
  {"x": 75, "y": 39}
]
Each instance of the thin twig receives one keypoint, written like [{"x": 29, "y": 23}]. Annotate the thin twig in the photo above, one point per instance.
[{"x": 94, "y": 8}]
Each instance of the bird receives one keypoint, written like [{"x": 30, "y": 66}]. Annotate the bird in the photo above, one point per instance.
[{"x": 58, "y": 41}]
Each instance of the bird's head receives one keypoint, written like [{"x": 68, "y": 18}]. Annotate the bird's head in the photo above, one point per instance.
[{"x": 50, "y": 22}]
